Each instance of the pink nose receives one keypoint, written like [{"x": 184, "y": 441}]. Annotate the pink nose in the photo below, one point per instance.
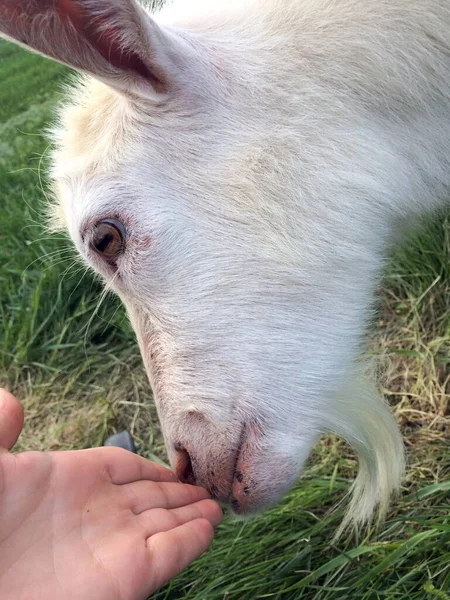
[
  {"x": 230, "y": 485},
  {"x": 216, "y": 477},
  {"x": 243, "y": 472}
]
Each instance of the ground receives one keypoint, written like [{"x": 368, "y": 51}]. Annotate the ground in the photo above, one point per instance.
[{"x": 74, "y": 362}]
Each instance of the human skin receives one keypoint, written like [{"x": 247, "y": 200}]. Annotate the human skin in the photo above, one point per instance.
[{"x": 103, "y": 523}]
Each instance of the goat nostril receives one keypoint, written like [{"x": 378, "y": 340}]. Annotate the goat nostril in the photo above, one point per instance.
[{"x": 183, "y": 468}]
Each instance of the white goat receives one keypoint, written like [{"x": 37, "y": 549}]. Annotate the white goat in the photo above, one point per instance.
[{"x": 236, "y": 171}]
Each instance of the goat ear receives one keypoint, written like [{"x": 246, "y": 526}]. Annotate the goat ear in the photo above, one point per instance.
[{"x": 113, "y": 40}]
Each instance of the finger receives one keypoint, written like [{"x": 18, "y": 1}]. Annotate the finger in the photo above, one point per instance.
[
  {"x": 170, "y": 552},
  {"x": 144, "y": 495},
  {"x": 158, "y": 520},
  {"x": 11, "y": 419},
  {"x": 125, "y": 467}
]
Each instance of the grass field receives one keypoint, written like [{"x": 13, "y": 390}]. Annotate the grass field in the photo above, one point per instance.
[{"x": 77, "y": 368}]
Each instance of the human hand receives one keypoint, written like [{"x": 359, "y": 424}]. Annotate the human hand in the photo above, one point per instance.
[{"x": 103, "y": 524}]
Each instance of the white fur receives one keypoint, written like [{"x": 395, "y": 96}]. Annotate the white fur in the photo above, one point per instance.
[{"x": 261, "y": 193}]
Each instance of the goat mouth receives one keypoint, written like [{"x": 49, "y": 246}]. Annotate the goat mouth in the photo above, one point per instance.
[
  {"x": 222, "y": 491},
  {"x": 216, "y": 489},
  {"x": 236, "y": 474},
  {"x": 247, "y": 495}
]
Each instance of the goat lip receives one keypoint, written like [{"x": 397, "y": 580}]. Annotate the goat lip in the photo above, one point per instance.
[
  {"x": 221, "y": 488},
  {"x": 248, "y": 493},
  {"x": 235, "y": 474}
]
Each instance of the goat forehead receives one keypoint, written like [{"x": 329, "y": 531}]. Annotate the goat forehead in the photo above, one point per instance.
[{"x": 91, "y": 130}]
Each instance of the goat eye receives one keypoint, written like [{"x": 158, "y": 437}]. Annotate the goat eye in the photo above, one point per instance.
[{"x": 109, "y": 238}]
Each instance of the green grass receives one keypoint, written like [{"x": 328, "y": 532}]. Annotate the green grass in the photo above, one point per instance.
[{"x": 77, "y": 368}]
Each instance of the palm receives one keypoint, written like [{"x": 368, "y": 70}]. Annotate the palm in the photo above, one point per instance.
[{"x": 98, "y": 524}]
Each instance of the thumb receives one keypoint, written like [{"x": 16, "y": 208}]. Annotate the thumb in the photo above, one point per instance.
[{"x": 11, "y": 419}]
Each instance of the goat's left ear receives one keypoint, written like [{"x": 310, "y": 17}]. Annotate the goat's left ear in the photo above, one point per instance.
[{"x": 113, "y": 40}]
